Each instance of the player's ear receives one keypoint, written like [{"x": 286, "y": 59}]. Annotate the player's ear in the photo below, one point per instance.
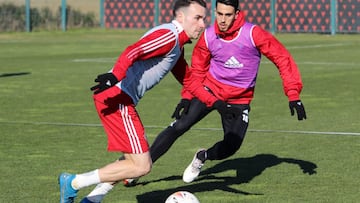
[
  {"x": 180, "y": 16},
  {"x": 237, "y": 13}
]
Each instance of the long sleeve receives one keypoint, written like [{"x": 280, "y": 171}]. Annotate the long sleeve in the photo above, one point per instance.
[
  {"x": 157, "y": 43},
  {"x": 270, "y": 47},
  {"x": 180, "y": 69},
  {"x": 193, "y": 81}
]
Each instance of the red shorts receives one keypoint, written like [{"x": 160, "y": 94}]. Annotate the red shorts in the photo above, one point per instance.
[{"x": 121, "y": 122}]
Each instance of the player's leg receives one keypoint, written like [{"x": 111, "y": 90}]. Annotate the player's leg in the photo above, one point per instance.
[
  {"x": 99, "y": 192},
  {"x": 137, "y": 162},
  {"x": 234, "y": 133},
  {"x": 125, "y": 134},
  {"x": 163, "y": 142},
  {"x": 134, "y": 165}
]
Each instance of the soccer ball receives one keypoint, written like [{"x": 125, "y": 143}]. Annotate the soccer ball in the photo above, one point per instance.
[{"x": 182, "y": 197}]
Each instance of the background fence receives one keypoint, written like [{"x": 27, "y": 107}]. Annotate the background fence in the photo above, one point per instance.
[
  {"x": 316, "y": 16},
  {"x": 28, "y": 15},
  {"x": 325, "y": 16}
]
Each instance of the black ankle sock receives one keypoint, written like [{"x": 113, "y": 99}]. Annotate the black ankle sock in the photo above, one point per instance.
[{"x": 202, "y": 155}]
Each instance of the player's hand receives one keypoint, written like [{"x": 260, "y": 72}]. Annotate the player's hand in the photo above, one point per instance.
[
  {"x": 105, "y": 81},
  {"x": 226, "y": 110},
  {"x": 181, "y": 108},
  {"x": 299, "y": 107}
]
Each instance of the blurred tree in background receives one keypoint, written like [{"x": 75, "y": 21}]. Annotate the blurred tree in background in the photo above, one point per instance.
[{"x": 13, "y": 17}]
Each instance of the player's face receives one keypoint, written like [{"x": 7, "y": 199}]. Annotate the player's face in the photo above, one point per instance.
[
  {"x": 225, "y": 16},
  {"x": 192, "y": 20}
]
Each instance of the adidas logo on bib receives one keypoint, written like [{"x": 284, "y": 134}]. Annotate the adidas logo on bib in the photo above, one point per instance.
[{"x": 233, "y": 63}]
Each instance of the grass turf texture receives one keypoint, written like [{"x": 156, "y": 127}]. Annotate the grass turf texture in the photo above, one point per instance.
[{"x": 49, "y": 125}]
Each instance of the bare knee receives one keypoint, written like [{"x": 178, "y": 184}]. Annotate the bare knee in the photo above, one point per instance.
[
  {"x": 141, "y": 164},
  {"x": 143, "y": 169}
]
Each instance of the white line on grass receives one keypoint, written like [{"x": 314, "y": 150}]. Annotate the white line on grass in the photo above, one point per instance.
[
  {"x": 321, "y": 63},
  {"x": 112, "y": 60},
  {"x": 96, "y": 60},
  {"x": 318, "y": 46},
  {"x": 162, "y": 127}
]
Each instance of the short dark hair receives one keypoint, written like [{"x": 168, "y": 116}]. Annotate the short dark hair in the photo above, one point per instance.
[
  {"x": 233, "y": 3},
  {"x": 185, "y": 3}
]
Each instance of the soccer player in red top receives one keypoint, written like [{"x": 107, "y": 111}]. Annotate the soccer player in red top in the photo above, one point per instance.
[
  {"x": 141, "y": 66},
  {"x": 224, "y": 68}
]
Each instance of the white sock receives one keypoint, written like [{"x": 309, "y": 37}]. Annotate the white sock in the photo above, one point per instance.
[
  {"x": 99, "y": 192},
  {"x": 85, "y": 179}
]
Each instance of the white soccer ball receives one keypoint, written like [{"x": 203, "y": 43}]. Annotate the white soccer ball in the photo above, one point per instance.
[{"x": 182, "y": 197}]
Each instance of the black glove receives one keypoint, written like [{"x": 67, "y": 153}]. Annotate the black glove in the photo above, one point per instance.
[
  {"x": 226, "y": 110},
  {"x": 181, "y": 108},
  {"x": 300, "y": 110},
  {"x": 105, "y": 81}
]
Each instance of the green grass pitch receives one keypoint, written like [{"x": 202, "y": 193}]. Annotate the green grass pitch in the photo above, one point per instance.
[{"x": 48, "y": 124}]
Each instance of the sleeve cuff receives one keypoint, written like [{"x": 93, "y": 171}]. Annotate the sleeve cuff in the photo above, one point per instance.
[
  {"x": 186, "y": 94},
  {"x": 293, "y": 95}
]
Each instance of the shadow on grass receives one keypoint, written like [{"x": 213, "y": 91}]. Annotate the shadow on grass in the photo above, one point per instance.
[
  {"x": 246, "y": 170},
  {"x": 13, "y": 74}
]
